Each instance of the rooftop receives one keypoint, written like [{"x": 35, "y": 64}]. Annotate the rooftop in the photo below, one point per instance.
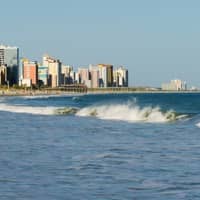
[{"x": 7, "y": 47}]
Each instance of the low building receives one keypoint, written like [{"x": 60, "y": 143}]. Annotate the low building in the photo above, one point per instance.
[
  {"x": 26, "y": 82},
  {"x": 175, "y": 85}
]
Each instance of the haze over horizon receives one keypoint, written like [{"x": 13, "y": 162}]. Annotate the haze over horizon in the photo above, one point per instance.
[{"x": 156, "y": 40}]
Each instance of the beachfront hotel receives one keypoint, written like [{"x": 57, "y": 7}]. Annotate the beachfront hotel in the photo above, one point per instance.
[
  {"x": 30, "y": 73},
  {"x": 54, "y": 70}
]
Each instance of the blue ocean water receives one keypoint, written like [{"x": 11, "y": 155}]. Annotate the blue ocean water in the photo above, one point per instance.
[{"x": 108, "y": 146}]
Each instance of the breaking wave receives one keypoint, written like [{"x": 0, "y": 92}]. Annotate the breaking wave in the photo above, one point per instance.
[
  {"x": 66, "y": 111},
  {"x": 124, "y": 112},
  {"x": 131, "y": 113}
]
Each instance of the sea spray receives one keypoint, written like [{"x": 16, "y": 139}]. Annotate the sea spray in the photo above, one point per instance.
[
  {"x": 125, "y": 112},
  {"x": 129, "y": 112},
  {"x": 198, "y": 124}
]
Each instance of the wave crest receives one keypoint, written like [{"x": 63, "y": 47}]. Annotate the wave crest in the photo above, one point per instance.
[
  {"x": 124, "y": 112},
  {"x": 131, "y": 113}
]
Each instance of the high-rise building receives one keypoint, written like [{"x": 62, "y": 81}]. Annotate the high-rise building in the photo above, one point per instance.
[
  {"x": 120, "y": 77},
  {"x": 9, "y": 57},
  {"x": 30, "y": 71},
  {"x": 105, "y": 75},
  {"x": 66, "y": 69},
  {"x": 43, "y": 75},
  {"x": 77, "y": 79},
  {"x": 94, "y": 73},
  {"x": 54, "y": 71},
  {"x": 72, "y": 76},
  {"x": 103, "y": 81},
  {"x": 67, "y": 74},
  {"x": 20, "y": 71},
  {"x": 85, "y": 76},
  {"x": 3, "y": 75}
]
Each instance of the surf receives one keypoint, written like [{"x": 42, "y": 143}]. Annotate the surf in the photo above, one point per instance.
[
  {"x": 27, "y": 109},
  {"x": 130, "y": 113},
  {"x": 38, "y": 110}
]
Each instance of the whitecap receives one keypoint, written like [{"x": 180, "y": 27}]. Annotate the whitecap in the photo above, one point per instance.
[
  {"x": 198, "y": 124},
  {"x": 130, "y": 112}
]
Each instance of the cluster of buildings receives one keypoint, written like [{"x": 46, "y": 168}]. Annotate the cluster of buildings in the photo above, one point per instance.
[
  {"x": 53, "y": 73},
  {"x": 175, "y": 85}
]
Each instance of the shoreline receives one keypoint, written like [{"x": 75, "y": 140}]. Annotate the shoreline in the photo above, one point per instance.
[{"x": 18, "y": 92}]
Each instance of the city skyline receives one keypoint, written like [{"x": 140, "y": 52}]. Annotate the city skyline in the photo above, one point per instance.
[
  {"x": 52, "y": 72},
  {"x": 157, "y": 41}
]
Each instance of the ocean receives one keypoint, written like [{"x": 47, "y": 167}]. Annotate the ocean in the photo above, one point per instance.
[{"x": 100, "y": 146}]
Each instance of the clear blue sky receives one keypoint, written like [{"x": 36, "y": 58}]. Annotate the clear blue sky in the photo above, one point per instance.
[{"x": 157, "y": 40}]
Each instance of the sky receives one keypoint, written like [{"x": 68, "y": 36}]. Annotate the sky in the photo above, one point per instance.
[{"x": 156, "y": 40}]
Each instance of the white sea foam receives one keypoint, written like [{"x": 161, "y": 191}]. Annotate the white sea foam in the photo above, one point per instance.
[
  {"x": 124, "y": 112},
  {"x": 129, "y": 112},
  {"x": 198, "y": 124},
  {"x": 28, "y": 109},
  {"x": 41, "y": 96},
  {"x": 51, "y": 95}
]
